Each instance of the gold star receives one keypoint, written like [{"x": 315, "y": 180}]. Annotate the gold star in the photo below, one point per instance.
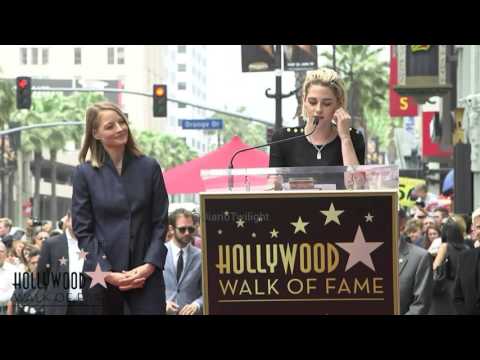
[
  {"x": 274, "y": 233},
  {"x": 254, "y": 235},
  {"x": 331, "y": 214},
  {"x": 369, "y": 218},
  {"x": 299, "y": 225},
  {"x": 240, "y": 223}
]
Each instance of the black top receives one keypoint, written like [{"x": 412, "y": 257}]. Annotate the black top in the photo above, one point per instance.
[{"x": 300, "y": 152}]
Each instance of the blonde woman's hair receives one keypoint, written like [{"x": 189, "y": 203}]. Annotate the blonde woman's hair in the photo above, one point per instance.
[
  {"x": 325, "y": 77},
  {"x": 93, "y": 146}
]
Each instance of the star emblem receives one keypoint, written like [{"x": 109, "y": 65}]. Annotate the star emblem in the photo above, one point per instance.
[
  {"x": 254, "y": 235},
  {"x": 226, "y": 213},
  {"x": 82, "y": 255},
  {"x": 274, "y": 234},
  {"x": 63, "y": 261},
  {"x": 98, "y": 276},
  {"x": 359, "y": 250},
  {"x": 240, "y": 223},
  {"x": 47, "y": 266},
  {"x": 299, "y": 225},
  {"x": 219, "y": 232},
  {"x": 331, "y": 214},
  {"x": 369, "y": 218}
]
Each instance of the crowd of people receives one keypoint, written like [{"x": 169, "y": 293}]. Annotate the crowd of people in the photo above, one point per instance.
[
  {"x": 442, "y": 247},
  {"x": 29, "y": 251}
]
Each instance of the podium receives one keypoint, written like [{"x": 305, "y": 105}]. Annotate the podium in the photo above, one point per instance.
[{"x": 300, "y": 241}]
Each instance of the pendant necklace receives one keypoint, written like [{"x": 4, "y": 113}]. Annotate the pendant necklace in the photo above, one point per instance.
[{"x": 319, "y": 150}]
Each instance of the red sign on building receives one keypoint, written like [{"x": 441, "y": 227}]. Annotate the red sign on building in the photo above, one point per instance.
[
  {"x": 429, "y": 148},
  {"x": 399, "y": 105}
]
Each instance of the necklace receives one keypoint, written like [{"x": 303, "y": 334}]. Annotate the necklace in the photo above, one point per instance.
[{"x": 318, "y": 148}]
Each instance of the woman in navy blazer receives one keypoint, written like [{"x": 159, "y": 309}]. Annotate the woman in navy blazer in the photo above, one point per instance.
[{"x": 120, "y": 214}]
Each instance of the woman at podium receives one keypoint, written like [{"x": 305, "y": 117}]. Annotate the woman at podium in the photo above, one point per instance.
[{"x": 332, "y": 142}]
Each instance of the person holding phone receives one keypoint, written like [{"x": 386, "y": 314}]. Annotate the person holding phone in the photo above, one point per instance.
[{"x": 334, "y": 142}]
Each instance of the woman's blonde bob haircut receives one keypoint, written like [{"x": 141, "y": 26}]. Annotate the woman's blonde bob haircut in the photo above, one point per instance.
[
  {"x": 328, "y": 78},
  {"x": 93, "y": 146}
]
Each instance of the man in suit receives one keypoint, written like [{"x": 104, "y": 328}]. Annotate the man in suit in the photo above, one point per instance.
[
  {"x": 183, "y": 270},
  {"x": 61, "y": 258},
  {"x": 416, "y": 275},
  {"x": 466, "y": 292}
]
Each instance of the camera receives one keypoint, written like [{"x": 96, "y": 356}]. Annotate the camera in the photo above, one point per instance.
[{"x": 36, "y": 222}]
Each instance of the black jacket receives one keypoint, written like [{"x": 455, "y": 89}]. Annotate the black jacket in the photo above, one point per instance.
[
  {"x": 467, "y": 283},
  {"x": 121, "y": 221}
]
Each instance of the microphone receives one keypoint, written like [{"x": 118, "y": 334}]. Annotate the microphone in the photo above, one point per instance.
[{"x": 316, "y": 119}]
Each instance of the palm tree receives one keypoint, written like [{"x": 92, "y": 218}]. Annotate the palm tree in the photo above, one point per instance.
[{"x": 169, "y": 150}]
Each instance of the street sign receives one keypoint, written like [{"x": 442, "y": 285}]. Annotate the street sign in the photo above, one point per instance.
[{"x": 201, "y": 124}]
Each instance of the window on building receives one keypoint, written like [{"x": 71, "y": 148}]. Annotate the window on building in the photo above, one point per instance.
[
  {"x": 182, "y": 49},
  {"x": 44, "y": 56},
  {"x": 77, "y": 56},
  {"x": 111, "y": 56},
  {"x": 182, "y": 85},
  {"x": 120, "y": 55},
  {"x": 23, "y": 56},
  {"x": 182, "y": 67},
  {"x": 34, "y": 56}
]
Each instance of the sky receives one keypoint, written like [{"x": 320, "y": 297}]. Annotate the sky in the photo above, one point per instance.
[{"x": 229, "y": 88}]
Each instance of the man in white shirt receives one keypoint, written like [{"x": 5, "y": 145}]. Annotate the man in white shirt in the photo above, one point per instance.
[
  {"x": 7, "y": 273},
  {"x": 183, "y": 270}
]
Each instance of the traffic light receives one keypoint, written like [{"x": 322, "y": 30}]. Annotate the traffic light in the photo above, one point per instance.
[
  {"x": 24, "y": 92},
  {"x": 159, "y": 100}
]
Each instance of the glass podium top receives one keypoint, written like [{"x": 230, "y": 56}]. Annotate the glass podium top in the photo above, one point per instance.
[{"x": 359, "y": 177}]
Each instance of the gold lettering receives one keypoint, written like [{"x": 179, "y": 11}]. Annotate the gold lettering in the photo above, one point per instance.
[
  {"x": 329, "y": 287},
  {"x": 228, "y": 286},
  {"x": 319, "y": 258},
  {"x": 377, "y": 288},
  {"x": 245, "y": 288},
  {"x": 249, "y": 260},
  {"x": 272, "y": 258},
  {"x": 271, "y": 286},
  {"x": 238, "y": 262},
  {"x": 333, "y": 257},
  {"x": 356, "y": 284},
  {"x": 257, "y": 292},
  {"x": 260, "y": 269},
  {"x": 344, "y": 287},
  {"x": 288, "y": 257},
  {"x": 223, "y": 265},
  {"x": 300, "y": 287},
  {"x": 403, "y": 103},
  {"x": 305, "y": 258}
]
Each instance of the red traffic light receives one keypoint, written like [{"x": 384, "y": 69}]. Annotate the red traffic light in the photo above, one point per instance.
[{"x": 22, "y": 83}]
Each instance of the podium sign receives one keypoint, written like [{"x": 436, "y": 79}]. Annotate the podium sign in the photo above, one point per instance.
[{"x": 300, "y": 252}]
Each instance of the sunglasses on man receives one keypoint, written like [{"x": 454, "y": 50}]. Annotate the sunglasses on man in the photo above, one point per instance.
[{"x": 183, "y": 229}]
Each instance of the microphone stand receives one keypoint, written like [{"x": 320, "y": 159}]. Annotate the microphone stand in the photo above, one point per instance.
[{"x": 316, "y": 119}]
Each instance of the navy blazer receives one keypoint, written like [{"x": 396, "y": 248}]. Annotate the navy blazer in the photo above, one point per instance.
[{"x": 121, "y": 221}]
